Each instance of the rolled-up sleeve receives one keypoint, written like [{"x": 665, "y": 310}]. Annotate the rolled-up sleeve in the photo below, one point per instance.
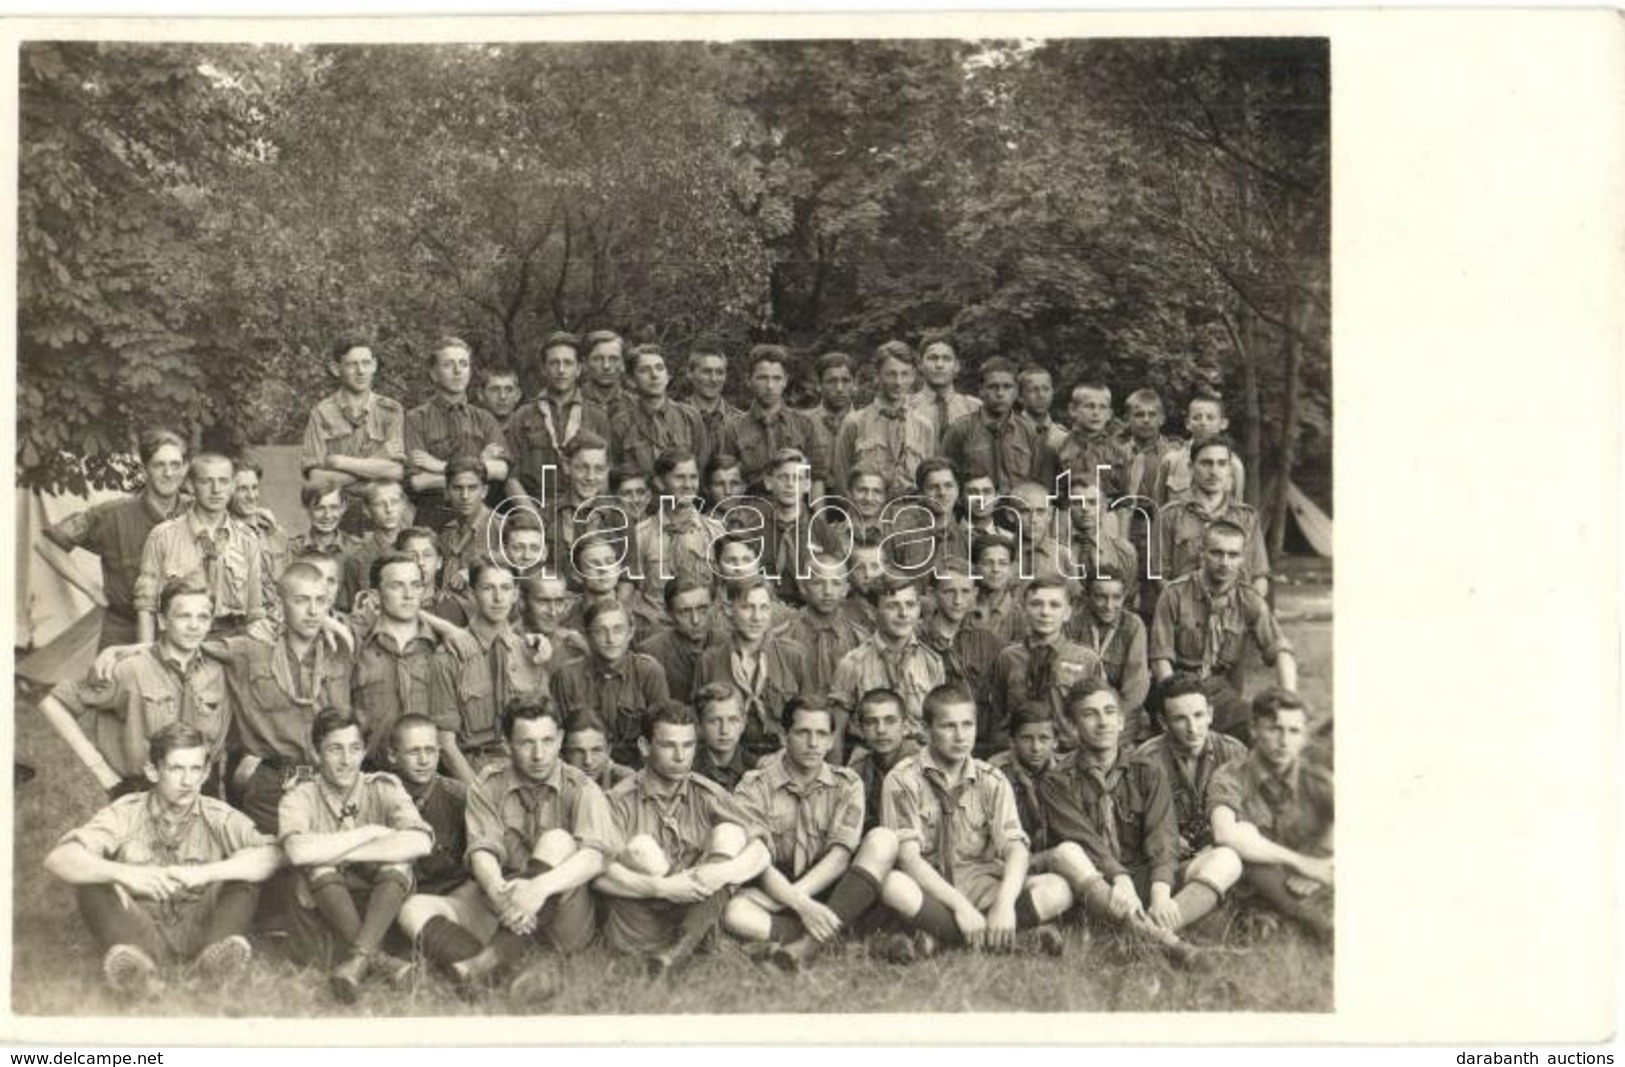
[
  {"x": 482, "y": 818},
  {"x": 593, "y": 825},
  {"x": 900, "y": 810},
  {"x": 1003, "y": 818}
]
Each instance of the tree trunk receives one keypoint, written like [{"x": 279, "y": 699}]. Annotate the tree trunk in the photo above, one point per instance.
[
  {"x": 1252, "y": 442},
  {"x": 1290, "y": 399}
]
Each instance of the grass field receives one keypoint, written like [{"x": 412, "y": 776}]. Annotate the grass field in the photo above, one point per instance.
[{"x": 56, "y": 972}]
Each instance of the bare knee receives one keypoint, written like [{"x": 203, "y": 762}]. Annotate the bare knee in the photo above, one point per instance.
[
  {"x": 745, "y": 920},
  {"x": 727, "y": 841},
  {"x": 1051, "y": 895},
  {"x": 1220, "y": 868},
  {"x": 554, "y": 847},
  {"x": 644, "y": 855},
  {"x": 417, "y": 910},
  {"x": 878, "y": 851},
  {"x": 1070, "y": 862}
]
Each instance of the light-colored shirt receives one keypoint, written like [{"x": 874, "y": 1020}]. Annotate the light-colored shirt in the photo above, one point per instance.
[
  {"x": 508, "y": 814},
  {"x": 225, "y": 556},
  {"x": 804, "y": 821}
]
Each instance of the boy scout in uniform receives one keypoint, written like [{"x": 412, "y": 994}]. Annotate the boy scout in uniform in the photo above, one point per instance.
[
  {"x": 826, "y": 872},
  {"x": 322, "y": 498},
  {"x": 207, "y": 543},
  {"x": 1189, "y": 753},
  {"x": 448, "y": 425},
  {"x": 757, "y": 434},
  {"x": 687, "y": 843},
  {"x": 1043, "y": 666},
  {"x": 586, "y": 748},
  {"x": 763, "y": 673},
  {"x": 170, "y": 680},
  {"x": 501, "y": 394},
  {"x": 1204, "y": 621},
  {"x": 1091, "y": 444},
  {"x": 467, "y": 694},
  {"x": 1183, "y": 520},
  {"x": 472, "y": 530},
  {"x": 707, "y": 372},
  {"x": 678, "y": 647},
  {"x": 414, "y": 758},
  {"x": 996, "y": 437},
  {"x": 720, "y": 756},
  {"x": 879, "y": 716},
  {"x": 1036, "y": 389},
  {"x": 1027, "y": 762},
  {"x": 538, "y": 433},
  {"x": 1117, "y": 841},
  {"x": 116, "y": 531},
  {"x": 539, "y": 831},
  {"x": 167, "y": 874},
  {"x": 822, "y": 627},
  {"x": 998, "y": 608},
  {"x": 1204, "y": 418},
  {"x": 354, "y": 435},
  {"x": 887, "y": 436},
  {"x": 1275, "y": 810},
  {"x": 833, "y": 372},
  {"x": 605, "y": 384},
  {"x": 968, "y": 652},
  {"x": 1109, "y": 626},
  {"x": 354, "y": 838},
  {"x": 612, "y": 682},
  {"x": 894, "y": 658},
  {"x": 651, "y": 422},
  {"x": 939, "y": 401},
  {"x": 384, "y": 504},
  {"x": 962, "y": 856}
]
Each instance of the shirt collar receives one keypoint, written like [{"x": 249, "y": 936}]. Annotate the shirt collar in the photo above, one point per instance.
[
  {"x": 928, "y": 762},
  {"x": 421, "y": 633},
  {"x": 554, "y": 781},
  {"x": 195, "y": 523},
  {"x": 447, "y": 403},
  {"x": 488, "y": 634},
  {"x": 778, "y": 775},
  {"x": 603, "y": 669}
]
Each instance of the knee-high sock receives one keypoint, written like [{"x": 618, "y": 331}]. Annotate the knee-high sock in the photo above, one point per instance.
[
  {"x": 233, "y": 913},
  {"x": 853, "y": 895},
  {"x": 1270, "y": 881},
  {"x": 114, "y": 924},
  {"x": 784, "y": 927},
  {"x": 383, "y": 905},
  {"x": 699, "y": 919},
  {"x": 508, "y": 946},
  {"x": 338, "y": 908},
  {"x": 445, "y": 942},
  {"x": 935, "y": 919},
  {"x": 1026, "y": 911}
]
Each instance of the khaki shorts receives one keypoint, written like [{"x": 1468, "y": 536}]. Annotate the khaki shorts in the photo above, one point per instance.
[{"x": 569, "y": 931}]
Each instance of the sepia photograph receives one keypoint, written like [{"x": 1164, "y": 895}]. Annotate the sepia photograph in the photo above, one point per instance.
[{"x": 615, "y": 528}]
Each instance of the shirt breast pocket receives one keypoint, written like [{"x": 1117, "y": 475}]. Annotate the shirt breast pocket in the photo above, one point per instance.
[
  {"x": 158, "y": 709},
  {"x": 263, "y": 688},
  {"x": 209, "y": 716}
]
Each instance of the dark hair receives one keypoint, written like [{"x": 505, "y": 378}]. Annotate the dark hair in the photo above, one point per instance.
[
  {"x": 1224, "y": 527},
  {"x": 932, "y": 464},
  {"x": 375, "y": 573},
  {"x": 981, "y": 543},
  {"x": 153, "y": 440},
  {"x": 795, "y": 704},
  {"x": 521, "y": 519},
  {"x": 245, "y": 462},
  {"x": 669, "y": 712},
  {"x": 586, "y": 541},
  {"x": 874, "y": 698},
  {"x": 1218, "y": 440},
  {"x": 346, "y": 341},
  {"x": 671, "y": 459},
  {"x": 585, "y": 719},
  {"x": 443, "y": 343},
  {"x": 890, "y": 585},
  {"x": 562, "y": 339},
  {"x": 950, "y": 567},
  {"x": 311, "y": 493},
  {"x": 528, "y": 707},
  {"x": 1104, "y": 573},
  {"x": 1269, "y": 703},
  {"x": 738, "y": 589},
  {"x": 831, "y": 361},
  {"x": 1047, "y": 581},
  {"x": 330, "y": 721},
  {"x": 187, "y": 585},
  {"x": 1027, "y": 370},
  {"x": 680, "y": 585},
  {"x": 938, "y": 336},
  {"x": 583, "y": 441},
  {"x": 944, "y": 696},
  {"x": 466, "y": 464},
  {"x": 416, "y": 533},
  {"x": 595, "y": 611},
  {"x": 406, "y": 722},
  {"x": 719, "y": 461},
  {"x": 760, "y": 354},
  {"x": 1087, "y": 688},
  {"x": 1029, "y": 713},
  {"x": 477, "y": 569},
  {"x": 997, "y": 365},
  {"x": 1178, "y": 684},
  {"x": 173, "y": 736},
  {"x": 630, "y": 360}
]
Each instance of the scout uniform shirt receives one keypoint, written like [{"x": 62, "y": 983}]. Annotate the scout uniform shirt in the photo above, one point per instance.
[
  {"x": 357, "y": 572},
  {"x": 617, "y": 695},
  {"x": 910, "y": 671},
  {"x": 891, "y": 440},
  {"x": 764, "y": 683},
  {"x": 964, "y": 831},
  {"x": 1007, "y": 448},
  {"x": 943, "y": 409},
  {"x": 1184, "y": 522},
  {"x": 643, "y": 434},
  {"x": 467, "y": 694},
  {"x": 829, "y": 421},
  {"x": 714, "y": 418},
  {"x": 682, "y": 823},
  {"x": 137, "y": 830},
  {"x": 673, "y": 544},
  {"x": 446, "y": 428},
  {"x": 1036, "y": 670},
  {"x": 803, "y": 822},
  {"x": 728, "y": 775},
  {"x": 754, "y": 436},
  {"x": 1189, "y": 780},
  {"x": 225, "y": 556},
  {"x": 371, "y": 428},
  {"x": 1294, "y": 809},
  {"x": 508, "y": 813},
  {"x": 276, "y": 695},
  {"x": 1081, "y": 453},
  {"x": 537, "y": 434},
  {"x": 1206, "y": 633},
  {"x": 1123, "y": 816},
  {"x": 872, "y": 774},
  {"x": 116, "y": 531},
  {"x": 1029, "y": 805},
  {"x": 1122, "y": 651},
  {"x": 677, "y": 655},
  {"x": 826, "y": 639},
  {"x": 968, "y": 655},
  {"x": 464, "y": 540},
  {"x": 149, "y": 690},
  {"x": 392, "y": 680},
  {"x": 317, "y": 807}
]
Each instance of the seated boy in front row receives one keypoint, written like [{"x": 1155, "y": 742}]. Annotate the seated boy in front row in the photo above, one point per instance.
[
  {"x": 962, "y": 857},
  {"x": 167, "y": 874},
  {"x": 826, "y": 872},
  {"x": 687, "y": 842},
  {"x": 1275, "y": 810},
  {"x": 354, "y": 837}
]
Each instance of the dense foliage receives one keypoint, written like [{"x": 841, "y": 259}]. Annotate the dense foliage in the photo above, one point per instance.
[{"x": 197, "y": 222}]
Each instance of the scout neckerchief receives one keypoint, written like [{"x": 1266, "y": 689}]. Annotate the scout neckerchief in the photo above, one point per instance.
[
  {"x": 942, "y": 412},
  {"x": 826, "y": 638},
  {"x": 948, "y": 797},
  {"x": 289, "y": 672},
  {"x": 805, "y": 840},
  {"x": 1041, "y": 657},
  {"x": 750, "y": 678},
  {"x": 184, "y": 674},
  {"x": 1105, "y": 805},
  {"x": 771, "y": 424},
  {"x": 1099, "y": 639},
  {"x": 458, "y": 413},
  {"x": 945, "y": 646},
  {"x": 572, "y": 420},
  {"x": 169, "y": 833},
  {"x": 1223, "y": 617},
  {"x": 347, "y": 808}
]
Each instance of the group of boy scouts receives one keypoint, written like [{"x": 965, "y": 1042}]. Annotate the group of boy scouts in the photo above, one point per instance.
[{"x": 934, "y": 671}]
